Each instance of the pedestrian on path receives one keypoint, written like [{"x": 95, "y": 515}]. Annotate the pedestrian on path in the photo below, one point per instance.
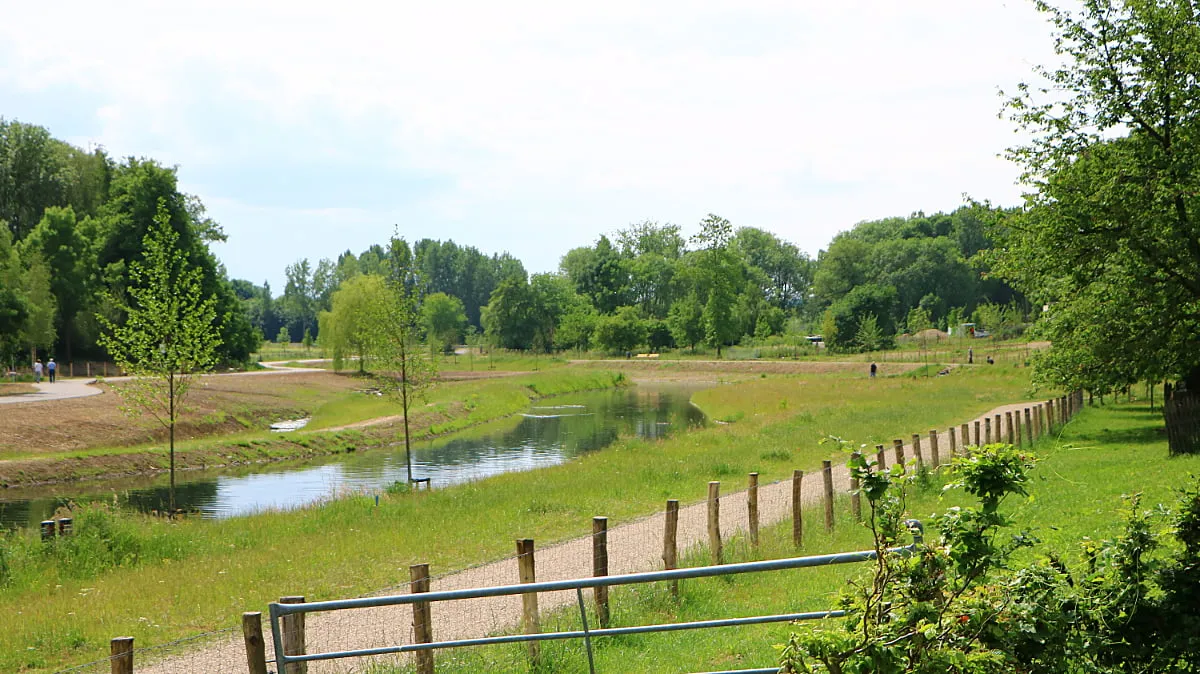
[
  {"x": 37, "y": 371},
  {"x": 52, "y": 368},
  {"x": 873, "y": 369}
]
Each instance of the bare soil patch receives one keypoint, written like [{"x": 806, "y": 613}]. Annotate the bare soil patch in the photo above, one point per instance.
[
  {"x": 13, "y": 389},
  {"x": 216, "y": 405}
]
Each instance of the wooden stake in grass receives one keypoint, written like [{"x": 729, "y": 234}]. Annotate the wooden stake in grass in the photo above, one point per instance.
[
  {"x": 797, "y": 511},
  {"x": 530, "y": 621},
  {"x": 422, "y": 620},
  {"x": 934, "y": 450},
  {"x": 1008, "y": 428},
  {"x": 978, "y": 437},
  {"x": 987, "y": 430},
  {"x": 256, "y": 647},
  {"x": 293, "y": 636},
  {"x": 121, "y": 652},
  {"x": 916, "y": 445},
  {"x": 996, "y": 425},
  {"x": 898, "y": 450},
  {"x": 1019, "y": 435},
  {"x": 1037, "y": 421},
  {"x": 855, "y": 497},
  {"x": 880, "y": 458},
  {"x": 670, "y": 550},
  {"x": 714, "y": 521},
  {"x": 752, "y": 510},
  {"x": 600, "y": 567},
  {"x": 953, "y": 442},
  {"x": 827, "y": 478},
  {"x": 1050, "y": 421},
  {"x": 1029, "y": 426}
]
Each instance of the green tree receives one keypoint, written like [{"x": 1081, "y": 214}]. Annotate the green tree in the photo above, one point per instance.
[
  {"x": 38, "y": 330},
  {"x": 620, "y": 332},
  {"x": 33, "y": 175},
  {"x": 508, "y": 318},
  {"x": 169, "y": 334},
  {"x": 1112, "y": 214},
  {"x": 443, "y": 318},
  {"x": 282, "y": 337},
  {"x": 868, "y": 337},
  {"x": 686, "y": 321},
  {"x": 845, "y": 315},
  {"x": 723, "y": 275},
  {"x": 59, "y": 241},
  {"x": 349, "y": 327},
  {"x": 409, "y": 370},
  {"x": 14, "y": 306}
]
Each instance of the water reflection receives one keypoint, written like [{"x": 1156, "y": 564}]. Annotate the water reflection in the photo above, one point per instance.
[{"x": 546, "y": 434}]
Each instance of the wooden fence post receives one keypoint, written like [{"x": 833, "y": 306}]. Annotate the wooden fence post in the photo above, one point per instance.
[
  {"x": 827, "y": 478},
  {"x": 880, "y": 458},
  {"x": 797, "y": 509},
  {"x": 1029, "y": 426},
  {"x": 1008, "y": 428},
  {"x": 530, "y": 622},
  {"x": 898, "y": 450},
  {"x": 997, "y": 427},
  {"x": 978, "y": 437},
  {"x": 1050, "y": 421},
  {"x": 953, "y": 443},
  {"x": 987, "y": 430},
  {"x": 121, "y": 652},
  {"x": 670, "y": 550},
  {"x": 1020, "y": 434},
  {"x": 1066, "y": 416},
  {"x": 293, "y": 636},
  {"x": 714, "y": 521},
  {"x": 934, "y": 451},
  {"x": 600, "y": 567},
  {"x": 964, "y": 437},
  {"x": 256, "y": 647},
  {"x": 855, "y": 497},
  {"x": 916, "y": 445},
  {"x": 752, "y": 510},
  {"x": 422, "y": 623}
]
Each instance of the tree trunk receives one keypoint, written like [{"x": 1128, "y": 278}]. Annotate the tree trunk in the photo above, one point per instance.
[
  {"x": 1181, "y": 411},
  {"x": 171, "y": 491}
]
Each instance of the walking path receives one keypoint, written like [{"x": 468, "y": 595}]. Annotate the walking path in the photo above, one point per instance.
[
  {"x": 59, "y": 390},
  {"x": 632, "y": 547}
]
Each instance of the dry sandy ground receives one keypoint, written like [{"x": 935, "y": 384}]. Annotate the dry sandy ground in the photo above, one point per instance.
[{"x": 632, "y": 547}]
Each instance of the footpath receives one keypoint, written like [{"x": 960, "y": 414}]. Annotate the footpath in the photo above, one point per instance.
[{"x": 632, "y": 547}]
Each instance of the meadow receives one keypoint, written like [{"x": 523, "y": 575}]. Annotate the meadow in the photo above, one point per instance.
[{"x": 159, "y": 581}]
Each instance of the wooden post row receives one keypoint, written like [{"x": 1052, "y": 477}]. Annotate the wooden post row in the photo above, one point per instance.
[
  {"x": 953, "y": 443},
  {"x": 599, "y": 568},
  {"x": 714, "y": 521},
  {"x": 670, "y": 533},
  {"x": 898, "y": 448},
  {"x": 987, "y": 430},
  {"x": 1019, "y": 435},
  {"x": 997, "y": 427},
  {"x": 916, "y": 445},
  {"x": 965, "y": 437},
  {"x": 422, "y": 622},
  {"x": 827, "y": 478},
  {"x": 880, "y": 458},
  {"x": 934, "y": 451},
  {"x": 1008, "y": 429},
  {"x": 752, "y": 509},
  {"x": 292, "y": 627},
  {"x": 1029, "y": 426},
  {"x": 530, "y": 621},
  {"x": 256, "y": 646},
  {"x": 855, "y": 497},
  {"x": 121, "y": 652},
  {"x": 978, "y": 437},
  {"x": 797, "y": 511}
]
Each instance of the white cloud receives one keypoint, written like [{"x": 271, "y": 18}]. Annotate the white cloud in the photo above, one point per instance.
[{"x": 540, "y": 125}]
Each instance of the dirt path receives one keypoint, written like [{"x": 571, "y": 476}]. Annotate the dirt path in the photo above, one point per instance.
[
  {"x": 632, "y": 547},
  {"x": 59, "y": 390}
]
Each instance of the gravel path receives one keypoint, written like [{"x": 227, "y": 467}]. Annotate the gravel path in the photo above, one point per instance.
[
  {"x": 59, "y": 390},
  {"x": 632, "y": 547}
]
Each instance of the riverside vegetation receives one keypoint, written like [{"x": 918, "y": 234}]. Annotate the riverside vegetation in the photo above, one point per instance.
[{"x": 160, "y": 581}]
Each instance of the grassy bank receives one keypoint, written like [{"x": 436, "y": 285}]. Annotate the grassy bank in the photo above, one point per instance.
[
  {"x": 1076, "y": 492},
  {"x": 337, "y": 426},
  {"x": 159, "y": 581}
]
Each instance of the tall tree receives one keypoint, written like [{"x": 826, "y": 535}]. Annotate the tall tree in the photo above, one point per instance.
[
  {"x": 351, "y": 324},
  {"x": 14, "y": 306},
  {"x": 169, "y": 334},
  {"x": 723, "y": 271},
  {"x": 33, "y": 175},
  {"x": 444, "y": 319},
  {"x": 1113, "y": 215},
  {"x": 58, "y": 240}
]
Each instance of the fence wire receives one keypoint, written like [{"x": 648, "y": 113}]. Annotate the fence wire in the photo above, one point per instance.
[{"x": 633, "y": 546}]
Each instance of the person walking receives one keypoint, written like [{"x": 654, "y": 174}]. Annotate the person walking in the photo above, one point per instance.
[
  {"x": 37, "y": 371},
  {"x": 873, "y": 369},
  {"x": 52, "y": 368},
  {"x": 970, "y": 356}
]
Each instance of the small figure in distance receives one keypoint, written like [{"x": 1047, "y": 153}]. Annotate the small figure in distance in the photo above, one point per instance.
[
  {"x": 37, "y": 371},
  {"x": 990, "y": 361},
  {"x": 970, "y": 356},
  {"x": 52, "y": 368},
  {"x": 873, "y": 369}
]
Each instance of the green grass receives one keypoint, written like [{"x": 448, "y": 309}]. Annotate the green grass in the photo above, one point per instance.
[
  {"x": 191, "y": 576},
  {"x": 1077, "y": 491}
]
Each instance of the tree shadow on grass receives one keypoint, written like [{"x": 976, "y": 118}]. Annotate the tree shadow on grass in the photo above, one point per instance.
[{"x": 1137, "y": 435}]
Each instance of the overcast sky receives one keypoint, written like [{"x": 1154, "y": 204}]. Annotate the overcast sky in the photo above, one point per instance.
[{"x": 532, "y": 127}]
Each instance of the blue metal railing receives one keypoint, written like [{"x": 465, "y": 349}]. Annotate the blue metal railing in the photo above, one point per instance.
[{"x": 278, "y": 611}]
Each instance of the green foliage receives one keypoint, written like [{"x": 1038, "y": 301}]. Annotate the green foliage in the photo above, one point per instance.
[
  {"x": 868, "y": 337},
  {"x": 621, "y": 332},
  {"x": 847, "y": 314},
  {"x": 283, "y": 337},
  {"x": 169, "y": 334},
  {"x": 443, "y": 319},
  {"x": 1106, "y": 238},
  {"x": 685, "y": 321},
  {"x": 350, "y": 326}
]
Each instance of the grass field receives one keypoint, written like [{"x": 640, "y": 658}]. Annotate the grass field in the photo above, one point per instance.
[
  {"x": 1076, "y": 493},
  {"x": 192, "y": 576}
]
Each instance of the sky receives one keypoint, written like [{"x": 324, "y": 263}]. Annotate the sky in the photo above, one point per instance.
[{"x": 311, "y": 128}]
